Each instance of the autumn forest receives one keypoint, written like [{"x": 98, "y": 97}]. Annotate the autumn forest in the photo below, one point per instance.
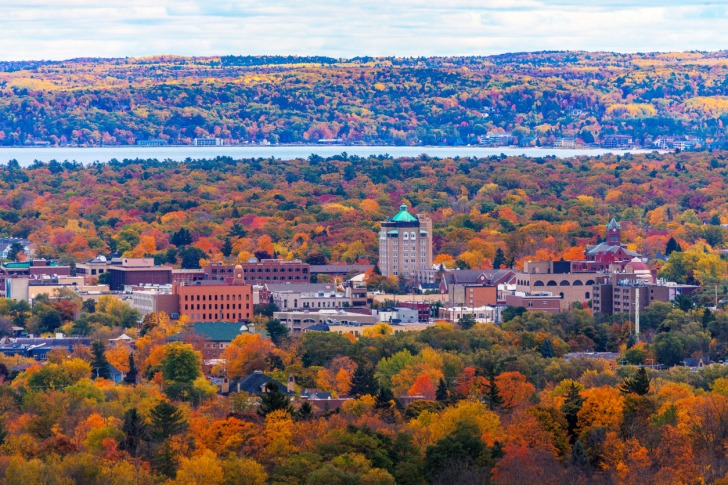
[
  {"x": 569, "y": 396},
  {"x": 397, "y": 101}
]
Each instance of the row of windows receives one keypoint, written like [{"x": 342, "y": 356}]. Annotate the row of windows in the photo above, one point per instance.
[
  {"x": 208, "y": 317},
  {"x": 205, "y": 297},
  {"x": 216, "y": 306},
  {"x": 553, "y": 283},
  {"x": 260, "y": 270}
]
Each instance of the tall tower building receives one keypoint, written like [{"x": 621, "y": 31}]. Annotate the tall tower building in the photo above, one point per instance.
[
  {"x": 614, "y": 230},
  {"x": 405, "y": 244}
]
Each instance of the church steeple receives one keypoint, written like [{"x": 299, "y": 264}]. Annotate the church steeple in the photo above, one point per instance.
[{"x": 614, "y": 230}]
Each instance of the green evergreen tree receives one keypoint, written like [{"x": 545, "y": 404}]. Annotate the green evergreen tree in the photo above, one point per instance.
[
  {"x": 273, "y": 400},
  {"x": 467, "y": 322},
  {"x": 363, "y": 381},
  {"x": 671, "y": 246},
  {"x": 227, "y": 248},
  {"x": 493, "y": 398},
  {"x": 500, "y": 259},
  {"x": 546, "y": 349},
  {"x": 167, "y": 421},
  {"x": 384, "y": 398},
  {"x": 570, "y": 409},
  {"x": 638, "y": 384},
  {"x": 456, "y": 456},
  {"x": 99, "y": 364},
  {"x": 131, "y": 376},
  {"x": 136, "y": 432},
  {"x": 305, "y": 412},
  {"x": 277, "y": 331},
  {"x": 15, "y": 249},
  {"x": 442, "y": 394}
]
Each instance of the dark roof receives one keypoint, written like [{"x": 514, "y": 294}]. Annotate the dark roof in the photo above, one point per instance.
[
  {"x": 696, "y": 361},
  {"x": 319, "y": 327},
  {"x": 315, "y": 394},
  {"x": 253, "y": 384},
  {"x": 340, "y": 268},
  {"x": 473, "y": 276},
  {"x": 300, "y": 287},
  {"x": 609, "y": 248}
]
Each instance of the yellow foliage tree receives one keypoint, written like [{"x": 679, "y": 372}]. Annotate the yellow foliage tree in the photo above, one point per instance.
[{"x": 203, "y": 469}]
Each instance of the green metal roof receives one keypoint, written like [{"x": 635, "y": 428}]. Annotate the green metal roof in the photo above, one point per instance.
[
  {"x": 403, "y": 215},
  {"x": 613, "y": 224},
  {"x": 218, "y": 331},
  {"x": 16, "y": 265}
]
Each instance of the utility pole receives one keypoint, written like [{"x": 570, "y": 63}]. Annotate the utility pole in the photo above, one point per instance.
[{"x": 637, "y": 313}]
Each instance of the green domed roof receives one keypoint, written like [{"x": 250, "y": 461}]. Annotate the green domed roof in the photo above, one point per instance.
[{"x": 403, "y": 215}]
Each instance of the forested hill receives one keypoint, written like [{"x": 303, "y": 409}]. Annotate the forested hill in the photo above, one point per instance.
[{"x": 536, "y": 96}]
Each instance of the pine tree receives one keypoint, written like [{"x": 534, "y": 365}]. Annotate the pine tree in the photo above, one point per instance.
[
  {"x": 493, "y": 397},
  {"x": 305, "y": 412},
  {"x": 136, "y": 431},
  {"x": 363, "y": 381},
  {"x": 131, "y": 376},
  {"x": 273, "y": 400},
  {"x": 167, "y": 421},
  {"x": 499, "y": 259},
  {"x": 547, "y": 349},
  {"x": 227, "y": 248},
  {"x": 638, "y": 384},
  {"x": 384, "y": 400},
  {"x": 277, "y": 331},
  {"x": 442, "y": 394},
  {"x": 671, "y": 246},
  {"x": 570, "y": 408},
  {"x": 99, "y": 364}
]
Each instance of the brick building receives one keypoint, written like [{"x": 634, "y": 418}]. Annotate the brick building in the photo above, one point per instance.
[
  {"x": 138, "y": 271},
  {"x": 216, "y": 300},
  {"x": 261, "y": 272}
]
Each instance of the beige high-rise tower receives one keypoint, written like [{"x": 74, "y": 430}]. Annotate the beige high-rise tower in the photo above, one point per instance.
[{"x": 405, "y": 244}]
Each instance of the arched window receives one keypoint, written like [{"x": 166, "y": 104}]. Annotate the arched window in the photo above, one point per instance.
[
  {"x": 577, "y": 283},
  {"x": 551, "y": 283},
  {"x": 538, "y": 283},
  {"x": 589, "y": 282},
  {"x": 412, "y": 235},
  {"x": 587, "y": 295},
  {"x": 564, "y": 283},
  {"x": 561, "y": 294}
]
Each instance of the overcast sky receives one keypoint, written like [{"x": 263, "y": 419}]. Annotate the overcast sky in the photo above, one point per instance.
[{"x": 61, "y": 29}]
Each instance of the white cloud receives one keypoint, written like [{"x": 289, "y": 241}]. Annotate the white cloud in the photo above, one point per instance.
[{"x": 58, "y": 29}]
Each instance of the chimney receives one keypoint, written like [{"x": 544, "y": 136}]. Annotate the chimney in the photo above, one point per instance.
[{"x": 291, "y": 383}]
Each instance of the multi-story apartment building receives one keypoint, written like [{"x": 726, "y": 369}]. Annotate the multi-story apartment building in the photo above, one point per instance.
[
  {"x": 405, "y": 244},
  {"x": 623, "y": 293}
]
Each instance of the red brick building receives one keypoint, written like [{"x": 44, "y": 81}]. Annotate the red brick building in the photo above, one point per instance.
[
  {"x": 261, "y": 272},
  {"x": 216, "y": 300}
]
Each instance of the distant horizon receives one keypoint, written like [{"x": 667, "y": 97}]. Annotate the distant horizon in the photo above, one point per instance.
[
  {"x": 350, "y": 58},
  {"x": 67, "y": 29}
]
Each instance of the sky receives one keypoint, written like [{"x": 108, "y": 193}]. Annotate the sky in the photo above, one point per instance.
[{"x": 63, "y": 29}]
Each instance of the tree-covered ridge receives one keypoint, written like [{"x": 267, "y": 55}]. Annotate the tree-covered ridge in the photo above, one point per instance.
[
  {"x": 540, "y": 208},
  {"x": 537, "y": 96}
]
